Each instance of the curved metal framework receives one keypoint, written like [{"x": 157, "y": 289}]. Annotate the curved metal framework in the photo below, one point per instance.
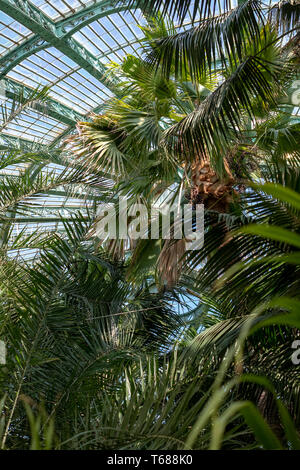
[
  {"x": 51, "y": 39},
  {"x": 64, "y": 44}
]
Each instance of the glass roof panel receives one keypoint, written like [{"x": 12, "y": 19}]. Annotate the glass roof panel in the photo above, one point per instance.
[
  {"x": 57, "y": 9},
  {"x": 112, "y": 33},
  {"x": 33, "y": 126},
  {"x": 69, "y": 84},
  {"x": 12, "y": 33}
]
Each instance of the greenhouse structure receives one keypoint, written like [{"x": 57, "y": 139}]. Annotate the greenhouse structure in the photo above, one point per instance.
[{"x": 150, "y": 225}]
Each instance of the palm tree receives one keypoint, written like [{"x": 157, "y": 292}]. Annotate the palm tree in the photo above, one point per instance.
[
  {"x": 228, "y": 139},
  {"x": 102, "y": 352}
]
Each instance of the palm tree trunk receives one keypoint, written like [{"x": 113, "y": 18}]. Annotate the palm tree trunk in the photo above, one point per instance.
[{"x": 215, "y": 192}]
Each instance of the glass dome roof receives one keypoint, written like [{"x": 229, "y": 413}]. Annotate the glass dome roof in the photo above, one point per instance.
[{"x": 64, "y": 45}]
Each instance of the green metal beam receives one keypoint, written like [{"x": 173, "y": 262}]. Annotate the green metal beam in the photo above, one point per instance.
[
  {"x": 82, "y": 17},
  {"x": 57, "y": 35},
  {"x": 64, "y": 28},
  {"x": 17, "y": 54},
  {"x": 70, "y": 129},
  {"x": 54, "y": 109},
  {"x": 58, "y": 140},
  {"x": 47, "y": 34},
  {"x": 8, "y": 141}
]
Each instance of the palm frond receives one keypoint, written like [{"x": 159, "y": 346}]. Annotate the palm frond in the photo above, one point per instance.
[
  {"x": 23, "y": 100},
  {"x": 209, "y": 130},
  {"x": 285, "y": 14},
  {"x": 178, "y": 9},
  {"x": 213, "y": 44}
]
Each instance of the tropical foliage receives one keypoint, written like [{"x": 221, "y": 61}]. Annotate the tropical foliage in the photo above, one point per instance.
[{"x": 143, "y": 344}]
